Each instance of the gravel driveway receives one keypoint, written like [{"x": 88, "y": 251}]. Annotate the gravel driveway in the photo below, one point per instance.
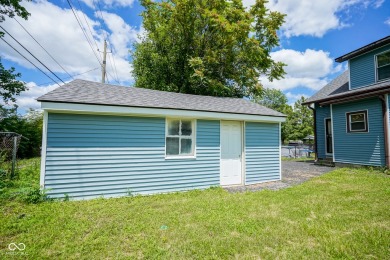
[{"x": 293, "y": 173}]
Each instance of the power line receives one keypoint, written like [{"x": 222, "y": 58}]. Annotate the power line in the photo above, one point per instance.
[
  {"x": 43, "y": 47},
  {"x": 112, "y": 67},
  {"x": 30, "y": 61},
  {"x": 101, "y": 15},
  {"x": 113, "y": 61},
  {"x": 41, "y": 84},
  {"x": 99, "y": 9},
  {"x": 89, "y": 27},
  {"x": 32, "y": 54},
  {"x": 111, "y": 77},
  {"x": 86, "y": 37}
]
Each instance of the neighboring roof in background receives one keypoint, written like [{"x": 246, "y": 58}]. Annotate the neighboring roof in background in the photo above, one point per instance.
[
  {"x": 364, "y": 49},
  {"x": 88, "y": 92},
  {"x": 339, "y": 88}
]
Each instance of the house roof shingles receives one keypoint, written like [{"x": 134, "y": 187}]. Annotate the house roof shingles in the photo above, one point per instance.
[
  {"x": 87, "y": 92},
  {"x": 339, "y": 87}
]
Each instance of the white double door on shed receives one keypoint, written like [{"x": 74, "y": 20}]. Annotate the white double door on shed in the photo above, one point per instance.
[{"x": 231, "y": 153}]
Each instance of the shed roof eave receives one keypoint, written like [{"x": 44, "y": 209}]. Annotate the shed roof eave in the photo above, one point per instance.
[{"x": 147, "y": 111}]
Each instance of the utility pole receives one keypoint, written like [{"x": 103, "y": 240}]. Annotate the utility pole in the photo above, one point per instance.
[{"x": 104, "y": 62}]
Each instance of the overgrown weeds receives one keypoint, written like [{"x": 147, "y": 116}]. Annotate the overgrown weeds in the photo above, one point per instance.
[{"x": 24, "y": 185}]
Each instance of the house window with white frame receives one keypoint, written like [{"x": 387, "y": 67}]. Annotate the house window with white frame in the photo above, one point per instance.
[
  {"x": 180, "y": 138},
  {"x": 383, "y": 66},
  {"x": 357, "y": 122}
]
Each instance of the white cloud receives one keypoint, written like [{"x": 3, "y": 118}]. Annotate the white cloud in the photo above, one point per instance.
[
  {"x": 66, "y": 43},
  {"x": 27, "y": 99},
  {"x": 388, "y": 21},
  {"x": 57, "y": 30},
  {"x": 308, "y": 69},
  {"x": 378, "y": 3},
  {"x": 309, "y": 63},
  {"x": 109, "y": 3},
  {"x": 291, "y": 82},
  {"x": 122, "y": 36},
  {"x": 314, "y": 18},
  {"x": 294, "y": 97}
]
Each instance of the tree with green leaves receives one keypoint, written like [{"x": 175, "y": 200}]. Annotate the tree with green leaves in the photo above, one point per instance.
[
  {"x": 300, "y": 122},
  {"x": 30, "y": 126},
  {"x": 11, "y": 8},
  {"x": 276, "y": 100},
  {"x": 10, "y": 86},
  {"x": 207, "y": 47}
]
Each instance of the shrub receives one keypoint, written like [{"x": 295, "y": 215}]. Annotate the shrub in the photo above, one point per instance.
[{"x": 32, "y": 195}]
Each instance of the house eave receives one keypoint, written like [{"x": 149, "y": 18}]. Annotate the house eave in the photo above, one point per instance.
[
  {"x": 369, "y": 47},
  {"x": 351, "y": 96},
  {"x": 77, "y": 108}
]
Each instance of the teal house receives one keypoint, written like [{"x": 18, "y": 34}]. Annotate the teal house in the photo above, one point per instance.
[
  {"x": 352, "y": 112},
  {"x": 105, "y": 140}
]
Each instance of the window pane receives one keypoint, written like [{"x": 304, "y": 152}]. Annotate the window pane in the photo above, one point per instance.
[
  {"x": 186, "y": 127},
  {"x": 173, "y": 127},
  {"x": 383, "y": 59},
  {"x": 358, "y": 126},
  {"x": 384, "y": 72},
  {"x": 357, "y": 118},
  {"x": 186, "y": 146},
  {"x": 172, "y": 146}
]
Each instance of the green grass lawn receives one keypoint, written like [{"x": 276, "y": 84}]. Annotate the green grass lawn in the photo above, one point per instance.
[{"x": 342, "y": 214}]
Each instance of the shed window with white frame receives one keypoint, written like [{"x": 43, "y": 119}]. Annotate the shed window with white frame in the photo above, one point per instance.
[
  {"x": 180, "y": 138},
  {"x": 383, "y": 66},
  {"x": 357, "y": 121}
]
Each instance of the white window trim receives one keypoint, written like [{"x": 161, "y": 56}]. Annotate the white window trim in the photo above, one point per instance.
[
  {"x": 348, "y": 121},
  {"x": 376, "y": 67},
  {"x": 193, "y": 137}
]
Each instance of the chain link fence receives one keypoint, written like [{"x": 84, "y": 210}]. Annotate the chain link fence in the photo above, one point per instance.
[{"x": 9, "y": 144}]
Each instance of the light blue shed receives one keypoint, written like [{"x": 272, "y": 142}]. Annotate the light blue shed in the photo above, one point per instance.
[{"x": 105, "y": 140}]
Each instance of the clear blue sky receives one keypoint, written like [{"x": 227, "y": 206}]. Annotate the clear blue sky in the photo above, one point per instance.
[{"x": 314, "y": 34}]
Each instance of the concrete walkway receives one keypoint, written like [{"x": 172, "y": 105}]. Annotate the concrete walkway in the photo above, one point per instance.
[{"x": 293, "y": 173}]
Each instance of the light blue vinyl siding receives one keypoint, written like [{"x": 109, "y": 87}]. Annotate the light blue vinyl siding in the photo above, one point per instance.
[
  {"x": 363, "y": 68},
  {"x": 359, "y": 148},
  {"x": 261, "y": 152},
  {"x": 321, "y": 114},
  {"x": 92, "y": 155}
]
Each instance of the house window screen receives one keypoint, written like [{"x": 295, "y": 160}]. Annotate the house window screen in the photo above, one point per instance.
[
  {"x": 357, "y": 121},
  {"x": 383, "y": 66},
  {"x": 180, "y": 137}
]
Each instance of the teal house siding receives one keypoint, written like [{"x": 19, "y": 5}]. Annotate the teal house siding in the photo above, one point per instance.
[
  {"x": 363, "y": 68},
  {"x": 262, "y": 152},
  {"x": 359, "y": 148},
  {"x": 321, "y": 114},
  {"x": 96, "y": 155}
]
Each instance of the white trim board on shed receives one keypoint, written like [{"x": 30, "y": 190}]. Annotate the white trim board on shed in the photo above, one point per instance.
[{"x": 160, "y": 112}]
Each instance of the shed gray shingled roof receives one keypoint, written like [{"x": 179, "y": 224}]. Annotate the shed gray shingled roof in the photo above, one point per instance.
[
  {"x": 87, "y": 92},
  {"x": 340, "y": 87}
]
